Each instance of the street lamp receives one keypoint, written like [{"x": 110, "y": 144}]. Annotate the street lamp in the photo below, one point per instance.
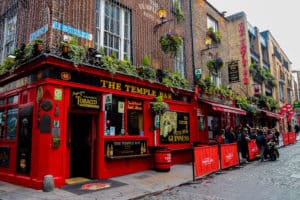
[{"x": 162, "y": 13}]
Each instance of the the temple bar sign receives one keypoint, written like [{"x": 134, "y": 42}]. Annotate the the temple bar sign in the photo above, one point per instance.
[{"x": 85, "y": 99}]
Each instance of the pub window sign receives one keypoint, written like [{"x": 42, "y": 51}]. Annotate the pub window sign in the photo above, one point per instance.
[{"x": 85, "y": 99}]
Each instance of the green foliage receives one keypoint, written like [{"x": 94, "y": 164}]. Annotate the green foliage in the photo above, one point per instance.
[
  {"x": 267, "y": 102},
  {"x": 178, "y": 12},
  {"x": 171, "y": 43},
  {"x": 175, "y": 79},
  {"x": 245, "y": 104},
  {"x": 147, "y": 72},
  {"x": 76, "y": 52},
  {"x": 214, "y": 65},
  {"x": 214, "y": 36},
  {"x": 7, "y": 65},
  {"x": 115, "y": 65},
  {"x": 146, "y": 61},
  {"x": 158, "y": 106},
  {"x": 260, "y": 74}
]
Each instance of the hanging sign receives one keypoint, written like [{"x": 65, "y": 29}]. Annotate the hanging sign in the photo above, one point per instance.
[{"x": 233, "y": 71}]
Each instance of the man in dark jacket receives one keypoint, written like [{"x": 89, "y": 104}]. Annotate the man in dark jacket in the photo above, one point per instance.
[{"x": 261, "y": 142}]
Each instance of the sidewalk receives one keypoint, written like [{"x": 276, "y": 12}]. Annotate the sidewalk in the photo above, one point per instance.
[{"x": 134, "y": 186}]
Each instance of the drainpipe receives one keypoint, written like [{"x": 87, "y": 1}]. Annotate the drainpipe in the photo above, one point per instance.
[{"x": 192, "y": 41}]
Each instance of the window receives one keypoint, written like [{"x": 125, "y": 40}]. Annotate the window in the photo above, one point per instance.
[
  {"x": 216, "y": 79},
  {"x": 9, "y": 37},
  {"x": 113, "y": 27},
  {"x": 8, "y": 118},
  {"x": 281, "y": 92},
  {"x": 125, "y": 117},
  {"x": 179, "y": 62},
  {"x": 211, "y": 22}
]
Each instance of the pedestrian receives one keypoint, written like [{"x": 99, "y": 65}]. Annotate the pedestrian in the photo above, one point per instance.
[
  {"x": 297, "y": 129},
  {"x": 261, "y": 143},
  {"x": 229, "y": 135},
  {"x": 244, "y": 144}
]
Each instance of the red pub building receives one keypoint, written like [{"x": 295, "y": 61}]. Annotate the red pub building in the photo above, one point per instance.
[{"x": 68, "y": 119}]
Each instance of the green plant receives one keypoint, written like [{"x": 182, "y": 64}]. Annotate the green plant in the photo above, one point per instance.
[
  {"x": 215, "y": 36},
  {"x": 171, "y": 43},
  {"x": 243, "y": 103},
  {"x": 158, "y": 106},
  {"x": 146, "y": 60},
  {"x": 174, "y": 79},
  {"x": 147, "y": 72},
  {"x": 75, "y": 52},
  {"x": 178, "y": 12},
  {"x": 33, "y": 48},
  {"x": 7, "y": 65},
  {"x": 214, "y": 65}
]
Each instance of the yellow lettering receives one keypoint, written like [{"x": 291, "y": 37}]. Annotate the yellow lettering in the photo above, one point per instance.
[
  {"x": 118, "y": 86},
  {"x": 127, "y": 87},
  {"x": 103, "y": 83}
]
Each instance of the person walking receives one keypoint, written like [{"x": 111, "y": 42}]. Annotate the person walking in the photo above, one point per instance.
[{"x": 261, "y": 143}]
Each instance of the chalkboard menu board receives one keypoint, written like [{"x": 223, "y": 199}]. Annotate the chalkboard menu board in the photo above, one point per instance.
[{"x": 233, "y": 71}]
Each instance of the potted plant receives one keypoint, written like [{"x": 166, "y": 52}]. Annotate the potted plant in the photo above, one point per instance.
[
  {"x": 158, "y": 106},
  {"x": 7, "y": 65},
  {"x": 214, "y": 65},
  {"x": 72, "y": 50},
  {"x": 38, "y": 44},
  {"x": 215, "y": 36},
  {"x": 146, "y": 71},
  {"x": 171, "y": 43}
]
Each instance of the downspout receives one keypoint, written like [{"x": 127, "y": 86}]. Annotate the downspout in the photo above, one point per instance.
[{"x": 192, "y": 41}]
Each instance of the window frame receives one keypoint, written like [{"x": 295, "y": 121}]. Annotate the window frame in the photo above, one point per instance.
[
  {"x": 123, "y": 37},
  {"x": 212, "y": 22},
  {"x": 5, "y": 108},
  {"x": 9, "y": 36},
  {"x": 124, "y": 119}
]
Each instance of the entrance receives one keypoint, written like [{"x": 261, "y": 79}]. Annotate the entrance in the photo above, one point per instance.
[{"x": 81, "y": 137}]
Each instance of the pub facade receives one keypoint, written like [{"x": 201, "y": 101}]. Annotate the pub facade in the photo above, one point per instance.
[{"x": 84, "y": 122}]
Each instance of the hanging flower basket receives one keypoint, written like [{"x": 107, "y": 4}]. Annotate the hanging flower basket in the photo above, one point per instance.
[
  {"x": 214, "y": 65},
  {"x": 158, "y": 106},
  {"x": 171, "y": 43}
]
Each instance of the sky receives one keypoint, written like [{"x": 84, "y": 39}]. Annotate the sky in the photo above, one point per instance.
[{"x": 281, "y": 18}]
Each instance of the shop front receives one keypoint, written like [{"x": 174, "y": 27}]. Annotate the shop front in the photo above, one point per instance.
[
  {"x": 215, "y": 114},
  {"x": 82, "y": 121}
]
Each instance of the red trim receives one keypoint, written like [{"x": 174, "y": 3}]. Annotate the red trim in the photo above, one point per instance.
[
  {"x": 225, "y": 108},
  {"x": 272, "y": 114}
]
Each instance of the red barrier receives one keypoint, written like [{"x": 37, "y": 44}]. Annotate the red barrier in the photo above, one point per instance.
[
  {"x": 292, "y": 137},
  {"x": 229, "y": 155},
  {"x": 285, "y": 138},
  {"x": 252, "y": 149},
  {"x": 206, "y": 160}
]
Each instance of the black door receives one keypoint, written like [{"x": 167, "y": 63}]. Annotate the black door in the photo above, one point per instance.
[{"x": 80, "y": 144}]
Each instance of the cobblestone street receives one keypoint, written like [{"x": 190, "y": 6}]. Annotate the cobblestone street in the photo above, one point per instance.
[{"x": 257, "y": 180}]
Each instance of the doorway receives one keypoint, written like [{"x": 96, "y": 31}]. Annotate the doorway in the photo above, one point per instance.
[{"x": 82, "y": 134}]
